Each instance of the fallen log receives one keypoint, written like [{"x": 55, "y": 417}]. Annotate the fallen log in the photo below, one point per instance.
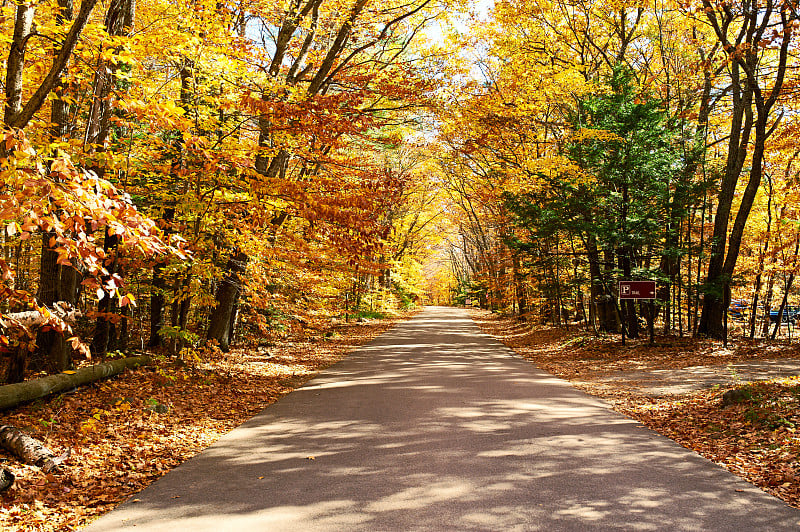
[
  {"x": 31, "y": 318},
  {"x": 13, "y": 394},
  {"x": 29, "y": 449}
]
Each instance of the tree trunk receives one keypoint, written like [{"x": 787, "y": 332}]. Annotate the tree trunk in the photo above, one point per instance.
[
  {"x": 17, "y": 364},
  {"x": 782, "y": 307},
  {"x": 6, "y": 479},
  {"x": 762, "y": 259},
  {"x": 179, "y": 313},
  {"x": 59, "y": 110},
  {"x": 123, "y": 336},
  {"x": 602, "y": 298},
  {"x": 698, "y": 275},
  {"x": 52, "y": 353},
  {"x": 16, "y": 115},
  {"x": 227, "y": 297},
  {"x": 56, "y": 282},
  {"x": 23, "y": 28},
  {"x": 768, "y": 304},
  {"x": 519, "y": 282},
  {"x": 717, "y": 279},
  {"x": 625, "y": 260},
  {"x": 159, "y": 286},
  {"x": 32, "y": 318},
  {"x": 14, "y": 394},
  {"x": 746, "y": 94},
  {"x": 105, "y": 331},
  {"x": 118, "y": 22},
  {"x": 786, "y": 288}
]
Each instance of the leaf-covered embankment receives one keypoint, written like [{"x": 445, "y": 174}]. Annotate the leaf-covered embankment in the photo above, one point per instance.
[
  {"x": 754, "y": 437},
  {"x": 129, "y": 431}
]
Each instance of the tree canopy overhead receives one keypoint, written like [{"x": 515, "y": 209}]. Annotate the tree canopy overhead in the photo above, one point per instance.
[
  {"x": 590, "y": 142},
  {"x": 202, "y": 173}
]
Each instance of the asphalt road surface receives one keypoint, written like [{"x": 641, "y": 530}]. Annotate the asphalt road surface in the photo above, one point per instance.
[{"x": 436, "y": 426}]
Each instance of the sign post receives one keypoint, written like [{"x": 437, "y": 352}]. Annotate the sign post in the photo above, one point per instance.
[{"x": 637, "y": 290}]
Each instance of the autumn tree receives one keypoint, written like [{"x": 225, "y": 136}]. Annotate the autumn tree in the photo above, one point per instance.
[{"x": 757, "y": 37}]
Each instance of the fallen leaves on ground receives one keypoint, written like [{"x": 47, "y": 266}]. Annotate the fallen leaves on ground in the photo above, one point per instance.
[
  {"x": 128, "y": 431},
  {"x": 757, "y": 437}
]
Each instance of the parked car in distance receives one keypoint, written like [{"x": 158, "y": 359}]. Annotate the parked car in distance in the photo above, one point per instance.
[{"x": 789, "y": 314}]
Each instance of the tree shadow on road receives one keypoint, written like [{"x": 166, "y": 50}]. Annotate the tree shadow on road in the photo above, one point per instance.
[{"x": 436, "y": 426}]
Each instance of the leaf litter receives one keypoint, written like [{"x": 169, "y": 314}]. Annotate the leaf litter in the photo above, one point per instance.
[
  {"x": 756, "y": 436},
  {"x": 128, "y": 431}
]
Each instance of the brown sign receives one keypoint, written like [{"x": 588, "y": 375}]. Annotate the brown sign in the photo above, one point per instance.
[{"x": 637, "y": 289}]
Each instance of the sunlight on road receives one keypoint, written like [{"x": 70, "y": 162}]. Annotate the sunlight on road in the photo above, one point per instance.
[{"x": 442, "y": 429}]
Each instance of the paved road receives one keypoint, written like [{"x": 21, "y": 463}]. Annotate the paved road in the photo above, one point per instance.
[{"x": 436, "y": 426}]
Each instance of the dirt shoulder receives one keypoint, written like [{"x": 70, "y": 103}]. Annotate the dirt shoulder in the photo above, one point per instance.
[
  {"x": 128, "y": 431},
  {"x": 676, "y": 388}
]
